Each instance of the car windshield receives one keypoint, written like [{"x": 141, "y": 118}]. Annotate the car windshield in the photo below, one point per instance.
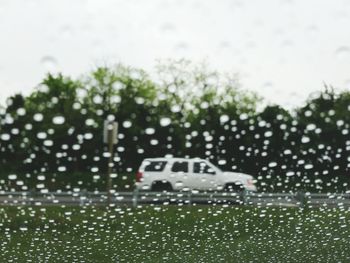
[{"x": 110, "y": 111}]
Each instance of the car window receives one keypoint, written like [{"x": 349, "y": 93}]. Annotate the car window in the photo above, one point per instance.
[
  {"x": 180, "y": 167},
  {"x": 155, "y": 166},
  {"x": 202, "y": 168}
]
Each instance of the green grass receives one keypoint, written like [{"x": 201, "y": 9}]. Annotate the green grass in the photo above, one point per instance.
[{"x": 173, "y": 234}]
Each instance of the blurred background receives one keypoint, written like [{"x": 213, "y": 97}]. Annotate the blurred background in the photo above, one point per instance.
[
  {"x": 282, "y": 49},
  {"x": 255, "y": 87}
]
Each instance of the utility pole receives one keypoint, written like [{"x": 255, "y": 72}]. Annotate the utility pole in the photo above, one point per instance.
[{"x": 110, "y": 137}]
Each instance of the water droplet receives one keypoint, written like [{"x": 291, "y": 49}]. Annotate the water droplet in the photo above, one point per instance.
[
  {"x": 340, "y": 123},
  {"x": 21, "y": 112},
  {"x": 305, "y": 139},
  {"x": 5, "y": 137},
  {"x": 127, "y": 124},
  {"x": 347, "y": 84},
  {"x": 66, "y": 31},
  {"x": 94, "y": 169},
  {"x": 167, "y": 28},
  {"x": 342, "y": 53},
  {"x": 290, "y": 173},
  {"x": 48, "y": 143},
  {"x": 165, "y": 121},
  {"x": 272, "y": 164},
  {"x": 41, "y": 177},
  {"x": 222, "y": 162},
  {"x": 58, "y": 120},
  {"x": 97, "y": 99},
  {"x": 41, "y": 135},
  {"x": 28, "y": 126},
  {"x": 204, "y": 105},
  {"x": 23, "y": 228},
  {"x": 318, "y": 181},
  {"x": 308, "y": 166},
  {"x": 268, "y": 134},
  {"x": 176, "y": 108},
  {"x": 12, "y": 177},
  {"x": 154, "y": 142},
  {"x": 181, "y": 46},
  {"x": 243, "y": 116},
  {"x": 50, "y": 63},
  {"x": 38, "y": 117},
  {"x": 15, "y": 131},
  {"x": 179, "y": 184},
  {"x": 62, "y": 169},
  {"x": 224, "y": 118},
  {"x": 139, "y": 100},
  {"x": 311, "y": 127},
  {"x": 110, "y": 117},
  {"x": 90, "y": 122},
  {"x": 150, "y": 131},
  {"x": 88, "y": 136}
]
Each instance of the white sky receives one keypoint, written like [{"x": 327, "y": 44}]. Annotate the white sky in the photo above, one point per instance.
[{"x": 283, "y": 49}]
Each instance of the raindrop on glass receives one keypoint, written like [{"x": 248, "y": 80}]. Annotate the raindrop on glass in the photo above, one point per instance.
[
  {"x": 50, "y": 63},
  {"x": 165, "y": 121},
  {"x": 58, "y": 120}
]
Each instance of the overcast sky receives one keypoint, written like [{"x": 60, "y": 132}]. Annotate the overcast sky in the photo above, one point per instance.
[{"x": 283, "y": 49}]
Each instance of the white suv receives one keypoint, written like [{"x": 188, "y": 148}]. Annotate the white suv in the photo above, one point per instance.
[{"x": 166, "y": 174}]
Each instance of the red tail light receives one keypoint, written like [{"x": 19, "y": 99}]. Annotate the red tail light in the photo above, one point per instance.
[
  {"x": 139, "y": 176},
  {"x": 250, "y": 182}
]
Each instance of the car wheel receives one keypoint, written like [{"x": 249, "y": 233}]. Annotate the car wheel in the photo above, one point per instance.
[
  {"x": 234, "y": 187},
  {"x": 159, "y": 186}
]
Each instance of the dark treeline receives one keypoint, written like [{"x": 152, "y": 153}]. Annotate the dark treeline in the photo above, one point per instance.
[{"x": 57, "y": 130}]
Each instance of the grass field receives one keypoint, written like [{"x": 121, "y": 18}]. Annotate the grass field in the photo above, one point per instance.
[{"x": 173, "y": 234}]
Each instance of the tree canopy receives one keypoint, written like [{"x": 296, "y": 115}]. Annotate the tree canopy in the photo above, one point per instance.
[{"x": 185, "y": 110}]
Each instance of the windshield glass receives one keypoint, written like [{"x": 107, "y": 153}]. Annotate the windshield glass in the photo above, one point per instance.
[{"x": 105, "y": 104}]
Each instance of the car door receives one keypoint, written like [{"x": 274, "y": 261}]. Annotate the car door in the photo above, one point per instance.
[
  {"x": 152, "y": 170},
  {"x": 204, "y": 175},
  {"x": 179, "y": 172}
]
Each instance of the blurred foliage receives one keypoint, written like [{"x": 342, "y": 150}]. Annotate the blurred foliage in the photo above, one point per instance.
[{"x": 185, "y": 110}]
